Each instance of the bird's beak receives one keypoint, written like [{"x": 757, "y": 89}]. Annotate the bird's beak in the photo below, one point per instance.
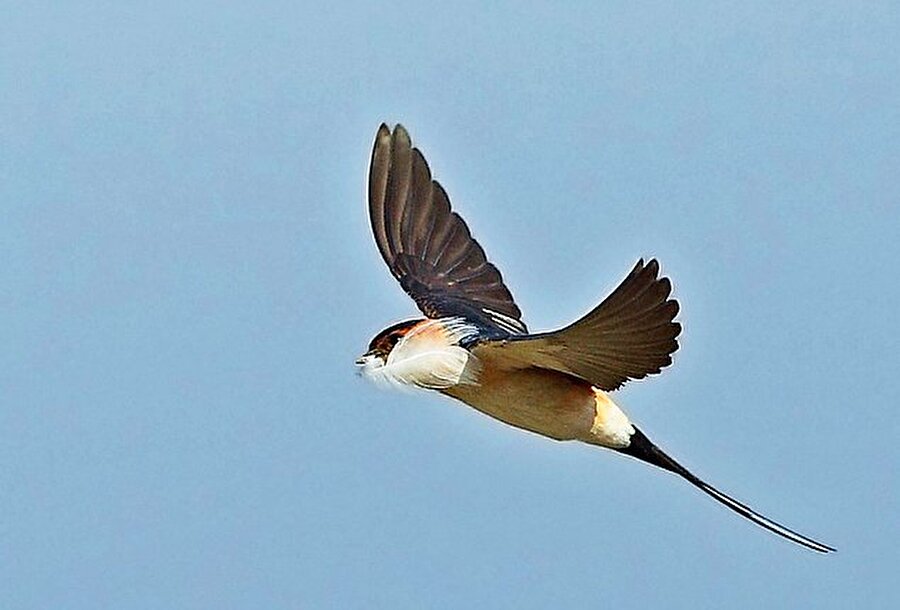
[{"x": 365, "y": 359}]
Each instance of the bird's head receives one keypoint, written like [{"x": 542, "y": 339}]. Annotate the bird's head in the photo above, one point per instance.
[
  {"x": 384, "y": 342},
  {"x": 425, "y": 353}
]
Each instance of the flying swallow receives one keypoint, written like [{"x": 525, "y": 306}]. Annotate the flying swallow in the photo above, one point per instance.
[{"x": 473, "y": 345}]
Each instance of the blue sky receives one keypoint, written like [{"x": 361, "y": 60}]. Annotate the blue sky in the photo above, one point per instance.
[{"x": 188, "y": 276}]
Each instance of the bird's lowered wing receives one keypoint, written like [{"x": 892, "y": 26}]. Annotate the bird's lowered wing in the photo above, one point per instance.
[{"x": 630, "y": 335}]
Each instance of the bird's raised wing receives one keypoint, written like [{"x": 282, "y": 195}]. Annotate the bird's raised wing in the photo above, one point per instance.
[
  {"x": 428, "y": 248},
  {"x": 630, "y": 335}
]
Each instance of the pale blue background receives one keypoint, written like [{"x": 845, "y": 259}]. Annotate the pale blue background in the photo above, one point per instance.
[{"x": 187, "y": 276}]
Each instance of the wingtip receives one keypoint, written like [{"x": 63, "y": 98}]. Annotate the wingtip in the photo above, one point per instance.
[
  {"x": 385, "y": 129},
  {"x": 382, "y": 142},
  {"x": 401, "y": 136},
  {"x": 398, "y": 139}
]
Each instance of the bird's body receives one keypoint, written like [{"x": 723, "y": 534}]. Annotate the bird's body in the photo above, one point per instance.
[
  {"x": 473, "y": 346},
  {"x": 533, "y": 399},
  {"x": 557, "y": 406}
]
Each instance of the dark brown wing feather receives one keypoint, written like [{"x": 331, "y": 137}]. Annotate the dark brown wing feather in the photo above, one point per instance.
[
  {"x": 427, "y": 247},
  {"x": 630, "y": 335}
]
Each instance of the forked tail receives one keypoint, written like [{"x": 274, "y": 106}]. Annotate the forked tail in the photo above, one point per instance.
[{"x": 643, "y": 449}]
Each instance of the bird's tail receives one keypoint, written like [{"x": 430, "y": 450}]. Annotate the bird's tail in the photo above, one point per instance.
[{"x": 643, "y": 449}]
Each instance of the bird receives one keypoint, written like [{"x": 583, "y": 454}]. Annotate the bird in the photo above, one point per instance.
[{"x": 473, "y": 346}]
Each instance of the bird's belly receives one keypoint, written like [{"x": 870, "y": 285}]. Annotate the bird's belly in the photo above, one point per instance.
[{"x": 538, "y": 400}]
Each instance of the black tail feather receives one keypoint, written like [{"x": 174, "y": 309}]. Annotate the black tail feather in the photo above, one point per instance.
[{"x": 643, "y": 449}]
